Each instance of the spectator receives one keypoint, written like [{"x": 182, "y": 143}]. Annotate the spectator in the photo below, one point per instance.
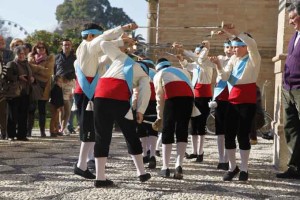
[
  {"x": 64, "y": 67},
  {"x": 18, "y": 106},
  {"x": 56, "y": 105},
  {"x": 42, "y": 64}
]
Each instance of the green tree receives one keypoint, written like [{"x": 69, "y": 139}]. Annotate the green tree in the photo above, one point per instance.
[
  {"x": 74, "y": 13},
  {"x": 51, "y": 39}
]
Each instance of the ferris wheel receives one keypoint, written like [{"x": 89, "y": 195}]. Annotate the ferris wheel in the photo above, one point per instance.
[{"x": 12, "y": 29}]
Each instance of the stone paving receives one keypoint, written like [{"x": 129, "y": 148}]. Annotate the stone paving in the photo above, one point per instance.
[{"x": 43, "y": 169}]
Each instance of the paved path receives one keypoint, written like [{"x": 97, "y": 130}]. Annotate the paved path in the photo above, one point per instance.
[{"x": 43, "y": 169}]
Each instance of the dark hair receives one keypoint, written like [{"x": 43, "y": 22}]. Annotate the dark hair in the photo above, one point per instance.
[
  {"x": 150, "y": 65},
  {"x": 227, "y": 41},
  {"x": 57, "y": 77},
  {"x": 162, "y": 60},
  {"x": 89, "y": 26},
  {"x": 28, "y": 46}
]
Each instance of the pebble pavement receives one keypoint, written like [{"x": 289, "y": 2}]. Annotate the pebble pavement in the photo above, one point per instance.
[{"x": 42, "y": 168}]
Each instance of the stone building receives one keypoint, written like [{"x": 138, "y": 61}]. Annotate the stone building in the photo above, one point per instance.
[{"x": 265, "y": 20}]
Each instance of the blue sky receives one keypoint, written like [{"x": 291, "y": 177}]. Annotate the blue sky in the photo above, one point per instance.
[{"x": 40, "y": 14}]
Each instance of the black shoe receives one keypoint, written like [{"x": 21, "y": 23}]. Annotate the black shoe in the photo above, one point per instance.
[
  {"x": 106, "y": 183},
  {"x": 243, "y": 176},
  {"x": 190, "y": 156},
  {"x": 268, "y": 136},
  {"x": 144, "y": 177},
  {"x": 91, "y": 164},
  {"x": 178, "y": 173},
  {"x": 165, "y": 173},
  {"x": 230, "y": 175},
  {"x": 60, "y": 134},
  {"x": 290, "y": 173},
  {"x": 200, "y": 158},
  {"x": 223, "y": 166},
  {"x": 53, "y": 135},
  {"x": 152, "y": 163},
  {"x": 85, "y": 174},
  {"x": 145, "y": 159},
  {"x": 157, "y": 153}
]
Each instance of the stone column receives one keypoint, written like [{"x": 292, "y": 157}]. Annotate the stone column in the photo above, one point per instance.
[
  {"x": 152, "y": 20},
  {"x": 281, "y": 154}
]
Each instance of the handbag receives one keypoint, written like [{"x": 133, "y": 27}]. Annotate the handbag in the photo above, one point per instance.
[
  {"x": 10, "y": 89},
  {"x": 36, "y": 92}
]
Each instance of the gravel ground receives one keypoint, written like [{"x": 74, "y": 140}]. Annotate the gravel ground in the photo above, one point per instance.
[{"x": 42, "y": 168}]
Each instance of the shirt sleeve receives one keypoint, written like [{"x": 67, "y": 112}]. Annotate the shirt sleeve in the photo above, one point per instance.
[{"x": 159, "y": 95}]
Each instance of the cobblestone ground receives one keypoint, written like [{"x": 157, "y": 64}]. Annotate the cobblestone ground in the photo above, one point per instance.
[{"x": 43, "y": 169}]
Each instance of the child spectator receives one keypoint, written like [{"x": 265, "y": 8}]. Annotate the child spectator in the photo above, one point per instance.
[{"x": 56, "y": 105}]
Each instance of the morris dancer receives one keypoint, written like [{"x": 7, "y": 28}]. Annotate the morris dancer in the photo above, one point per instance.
[
  {"x": 112, "y": 103},
  {"x": 202, "y": 70},
  {"x": 87, "y": 73},
  {"x": 241, "y": 74},
  {"x": 175, "y": 100},
  {"x": 147, "y": 135},
  {"x": 220, "y": 102}
]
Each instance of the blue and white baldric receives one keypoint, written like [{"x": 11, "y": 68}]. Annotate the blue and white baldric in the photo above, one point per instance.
[
  {"x": 128, "y": 74},
  {"x": 87, "y": 88},
  {"x": 196, "y": 75},
  {"x": 237, "y": 73}
]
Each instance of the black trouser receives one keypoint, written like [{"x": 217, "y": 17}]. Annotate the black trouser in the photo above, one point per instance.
[
  {"x": 291, "y": 121},
  {"x": 238, "y": 121},
  {"x": 199, "y": 122},
  {"x": 145, "y": 129},
  {"x": 106, "y": 112},
  {"x": 86, "y": 119},
  {"x": 17, "y": 117},
  {"x": 176, "y": 117},
  {"x": 220, "y": 116}
]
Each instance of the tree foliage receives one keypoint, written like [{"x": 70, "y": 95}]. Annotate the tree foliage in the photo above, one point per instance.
[{"x": 74, "y": 13}]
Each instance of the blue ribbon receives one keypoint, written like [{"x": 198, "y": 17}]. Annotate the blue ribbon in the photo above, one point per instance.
[
  {"x": 221, "y": 85},
  {"x": 237, "y": 44},
  {"x": 91, "y": 31},
  {"x": 179, "y": 74},
  {"x": 237, "y": 73},
  {"x": 196, "y": 74},
  {"x": 87, "y": 88},
  {"x": 151, "y": 74},
  {"x": 149, "y": 61},
  {"x": 128, "y": 72},
  {"x": 162, "y": 64}
]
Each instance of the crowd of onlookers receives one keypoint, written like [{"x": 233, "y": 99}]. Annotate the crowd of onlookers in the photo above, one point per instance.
[{"x": 43, "y": 78}]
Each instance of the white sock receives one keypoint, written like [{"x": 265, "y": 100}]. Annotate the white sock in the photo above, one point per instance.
[
  {"x": 201, "y": 144},
  {"x": 232, "y": 160},
  {"x": 83, "y": 154},
  {"x": 100, "y": 168},
  {"x": 181, "y": 148},
  {"x": 138, "y": 162},
  {"x": 221, "y": 148},
  {"x": 195, "y": 143},
  {"x": 152, "y": 141},
  {"x": 158, "y": 143},
  {"x": 166, "y": 154},
  {"x": 144, "y": 145},
  {"x": 91, "y": 155},
  {"x": 244, "y": 159}
]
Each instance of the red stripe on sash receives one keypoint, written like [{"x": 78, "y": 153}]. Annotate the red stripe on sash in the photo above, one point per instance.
[
  {"x": 177, "y": 89},
  {"x": 243, "y": 93},
  {"x": 203, "y": 90},
  {"x": 112, "y": 88},
  {"x": 152, "y": 97},
  {"x": 78, "y": 89},
  {"x": 224, "y": 95}
]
